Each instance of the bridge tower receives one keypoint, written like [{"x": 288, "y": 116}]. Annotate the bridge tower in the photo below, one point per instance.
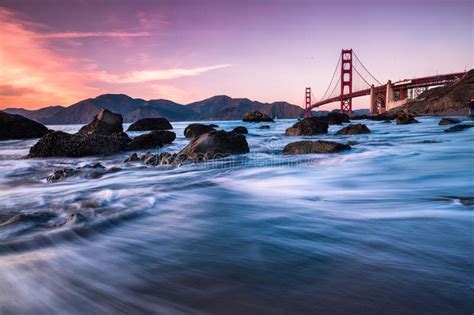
[
  {"x": 346, "y": 80},
  {"x": 307, "y": 103}
]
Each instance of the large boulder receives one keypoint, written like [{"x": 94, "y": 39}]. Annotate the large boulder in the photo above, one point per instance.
[
  {"x": 240, "y": 129},
  {"x": 105, "y": 123},
  {"x": 256, "y": 116},
  {"x": 154, "y": 139},
  {"x": 213, "y": 145},
  {"x": 58, "y": 143},
  {"x": 405, "y": 118},
  {"x": 308, "y": 127},
  {"x": 19, "y": 127},
  {"x": 353, "y": 130},
  {"x": 307, "y": 147},
  {"x": 459, "y": 127},
  {"x": 146, "y": 124},
  {"x": 195, "y": 130},
  {"x": 448, "y": 121}
]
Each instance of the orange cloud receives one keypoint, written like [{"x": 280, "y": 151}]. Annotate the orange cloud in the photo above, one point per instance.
[
  {"x": 32, "y": 75},
  {"x": 35, "y": 76}
]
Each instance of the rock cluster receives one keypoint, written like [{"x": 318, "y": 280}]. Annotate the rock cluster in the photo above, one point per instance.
[{"x": 104, "y": 135}]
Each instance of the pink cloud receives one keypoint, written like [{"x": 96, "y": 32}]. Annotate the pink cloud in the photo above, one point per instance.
[
  {"x": 75, "y": 35},
  {"x": 155, "y": 75}
]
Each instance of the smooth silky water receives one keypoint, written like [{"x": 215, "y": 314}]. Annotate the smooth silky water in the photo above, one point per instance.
[{"x": 387, "y": 227}]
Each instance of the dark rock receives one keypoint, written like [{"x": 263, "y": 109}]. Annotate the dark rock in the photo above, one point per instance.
[
  {"x": 37, "y": 218},
  {"x": 405, "y": 118},
  {"x": 18, "y": 127},
  {"x": 214, "y": 145},
  {"x": 448, "y": 121},
  {"x": 213, "y": 126},
  {"x": 95, "y": 165},
  {"x": 240, "y": 129},
  {"x": 195, "y": 130},
  {"x": 164, "y": 158},
  {"x": 58, "y": 143},
  {"x": 459, "y": 127},
  {"x": 99, "y": 174},
  {"x": 132, "y": 158},
  {"x": 154, "y": 139},
  {"x": 61, "y": 174},
  {"x": 306, "y": 147},
  {"x": 264, "y": 127},
  {"x": 308, "y": 127},
  {"x": 104, "y": 123},
  {"x": 150, "y": 124},
  {"x": 353, "y": 130},
  {"x": 256, "y": 116}
]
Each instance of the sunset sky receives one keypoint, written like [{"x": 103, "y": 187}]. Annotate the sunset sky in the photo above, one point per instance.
[{"x": 60, "y": 52}]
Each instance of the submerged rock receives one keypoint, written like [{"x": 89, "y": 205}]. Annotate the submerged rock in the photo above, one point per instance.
[
  {"x": 405, "y": 118},
  {"x": 306, "y": 147},
  {"x": 195, "y": 130},
  {"x": 387, "y": 121},
  {"x": 19, "y": 127},
  {"x": 308, "y": 127},
  {"x": 104, "y": 123},
  {"x": 335, "y": 118},
  {"x": 214, "y": 145},
  {"x": 256, "y": 116},
  {"x": 61, "y": 174},
  {"x": 448, "y": 121},
  {"x": 354, "y": 130},
  {"x": 159, "y": 123},
  {"x": 264, "y": 127},
  {"x": 154, "y": 139},
  {"x": 132, "y": 158},
  {"x": 459, "y": 127},
  {"x": 240, "y": 129}
]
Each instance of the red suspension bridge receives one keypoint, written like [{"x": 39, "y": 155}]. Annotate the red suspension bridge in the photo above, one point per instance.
[{"x": 352, "y": 79}]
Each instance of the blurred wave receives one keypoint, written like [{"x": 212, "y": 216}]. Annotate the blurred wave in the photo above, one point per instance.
[{"x": 384, "y": 228}]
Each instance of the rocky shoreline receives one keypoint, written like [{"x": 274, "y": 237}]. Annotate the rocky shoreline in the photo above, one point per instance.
[{"x": 104, "y": 135}]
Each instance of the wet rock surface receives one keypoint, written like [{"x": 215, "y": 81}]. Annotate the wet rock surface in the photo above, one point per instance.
[
  {"x": 18, "y": 127},
  {"x": 147, "y": 124},
  {"x": 405, "y": 119},
  {"x": 256, "y": 116},
  {"x": 307, "y": 147},
  {"x": 214, "y": 145},
  {"x": 240, "y": 129},
  {"x": 104, "y": 123},
  {"x": 459, "y": 127},
  {"x": 308, "y": 127},
  {"x": 354, "y": 129},
  {"x": 195, "y": 130},
  {"x": 58, "y": 143},
  {"x": 154, "y": 139}
]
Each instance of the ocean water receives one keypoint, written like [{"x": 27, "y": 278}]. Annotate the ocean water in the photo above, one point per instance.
[{"x": 387, "y": 227}]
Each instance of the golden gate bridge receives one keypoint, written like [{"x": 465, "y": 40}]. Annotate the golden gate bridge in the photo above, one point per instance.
[{"x": 351, "y": 79}]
